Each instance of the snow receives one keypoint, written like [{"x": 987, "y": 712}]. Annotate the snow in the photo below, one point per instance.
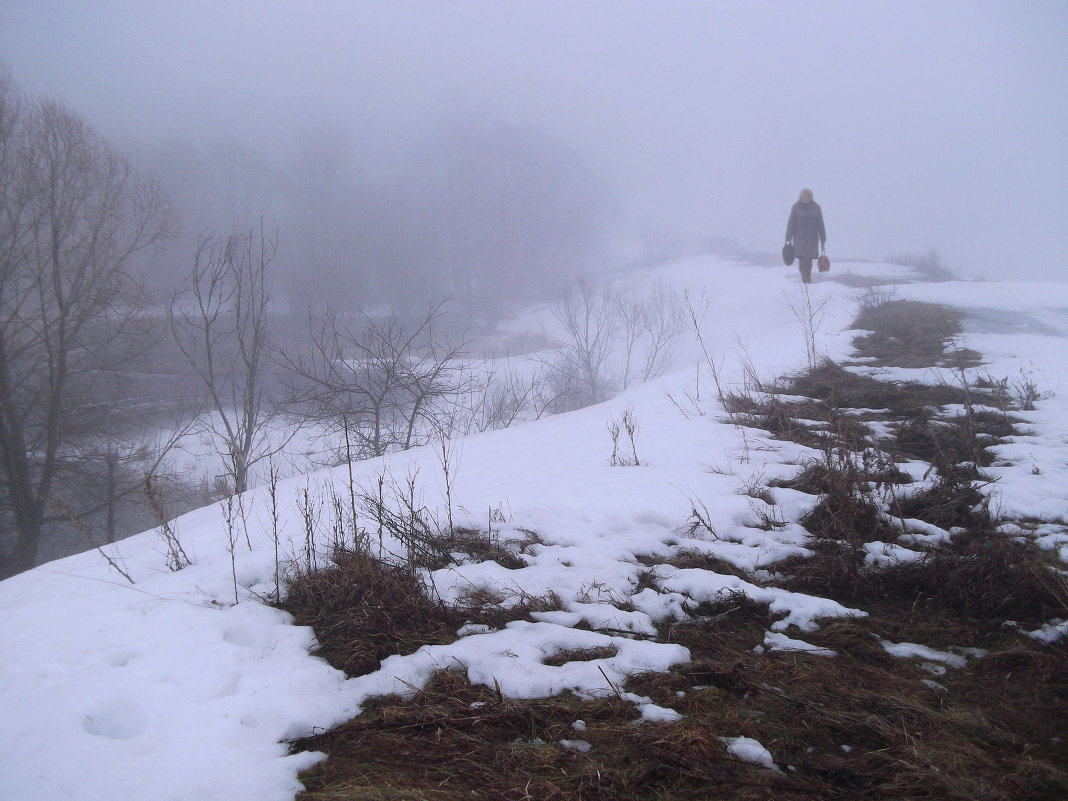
[
  {"x": 749, "y": 750},
  {"x": 774, "y": 641},
  {"x": 167, "y": 689},
  {"x": 1050, "y": 632},
  {"x": 910, "y": 650},
  {"x": 578, "y": 746}
]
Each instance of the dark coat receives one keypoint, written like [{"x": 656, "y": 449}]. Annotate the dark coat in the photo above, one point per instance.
[{"x": 805, "y": 229}]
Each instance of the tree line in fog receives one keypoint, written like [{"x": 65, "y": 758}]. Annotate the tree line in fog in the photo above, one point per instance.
[
  {"x": 478, "y": 212},
  {"x": 213, "y": 290}
]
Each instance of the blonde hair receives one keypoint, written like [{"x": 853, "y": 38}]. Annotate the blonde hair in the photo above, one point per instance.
[{"x": 805, "y": 192}]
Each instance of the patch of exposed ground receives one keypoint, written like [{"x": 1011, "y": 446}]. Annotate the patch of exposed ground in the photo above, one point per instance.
[{"x": 908, "y": 333}]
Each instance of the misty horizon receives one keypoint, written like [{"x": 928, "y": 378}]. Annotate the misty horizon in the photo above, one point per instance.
[{"x": 918, "y": 125}]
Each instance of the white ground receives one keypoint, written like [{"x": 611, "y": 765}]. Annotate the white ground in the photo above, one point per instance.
[{"x": 166, "y": 689}]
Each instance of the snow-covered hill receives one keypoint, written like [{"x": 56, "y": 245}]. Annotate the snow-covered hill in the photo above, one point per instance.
[{"x": 161, "y": 687}]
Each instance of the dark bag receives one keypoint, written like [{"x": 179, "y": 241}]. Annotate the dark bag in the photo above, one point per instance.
[
  {"x": 824, "y": 263},
  {"x": 787, "y": 254}
]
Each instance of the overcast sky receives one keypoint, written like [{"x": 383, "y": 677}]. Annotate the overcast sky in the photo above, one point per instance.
[{"x": 916, "y": 124}]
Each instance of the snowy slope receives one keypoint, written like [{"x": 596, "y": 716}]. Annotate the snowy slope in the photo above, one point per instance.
[{"x": 165, "y": 689}]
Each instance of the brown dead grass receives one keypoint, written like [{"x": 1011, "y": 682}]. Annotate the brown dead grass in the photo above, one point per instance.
[
  {"x": 694, "y": 560},
  {"x": 861, "y": 724},
  {"x": 580, "y": 655},
  {"x": 838, "y": 388},
  {"x": 456, "y": 741},
  {"x": 944, "y": 443},
  {"x": 949, "y": 501},
  {"x": 482, "y": 548},
  {"x": 363, "y": 610},
  {"x": 908, "y": 333}
]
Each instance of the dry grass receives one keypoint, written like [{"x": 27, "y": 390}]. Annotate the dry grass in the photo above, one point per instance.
[
  {"x": 861, "y": 724},
  {"x": 457, "y": 741},
  {"x": 943, "y": 443},
  {"x": 363, "y": 610},
  {"x": 986, "y": 577},
  {"x": 840, "y": 388},
  {"x": 816, "y": 477},
  {"x": 949, "y": 502},
  {"x": 694, "y": 560},
  {"x": 482, "y": 548},
  {"x": 908, "y": 333},
  {"x": 813, "y": 423},
  {"x": 989, "y": 732}
]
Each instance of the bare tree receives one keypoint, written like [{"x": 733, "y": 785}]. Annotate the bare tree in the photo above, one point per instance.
[
  {"x": 587, "y": 313},
  {"x": 810, "y": 314},
  {"x": 73, "y": 214},
  {"x": 651, "y": 324},
  {"x": 611, "y": 338},
  {"x": 219, "y": 320},
  {"x": 503, "y": 397},
  {"x": 388, "y": 385}
]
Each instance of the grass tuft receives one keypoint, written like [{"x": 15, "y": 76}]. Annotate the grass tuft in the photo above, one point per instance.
[
  {"x": 909, "y": 333},
  {"x": 364, "y": 610}
]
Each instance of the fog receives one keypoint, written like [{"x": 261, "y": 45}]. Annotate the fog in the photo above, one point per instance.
[{"x": 917, "y": 124}]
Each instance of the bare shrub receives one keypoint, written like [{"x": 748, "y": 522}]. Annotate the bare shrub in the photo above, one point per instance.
[
  {"x": 700, "y": 519},
  {"x": 696, "y": 310},
  {"x": 228, "y": 512},
  {"x": 272, "y": 506},
  {"x": 1026, "y": 391},
  {"x": 612, "y": 339},
  {"x": 810, "y": 314},
  {"x": 582, "y": 372},
  {"x": 364, "y": 610},
  {"x": 627, "y": 424},
  {"x": 872, "y": 297},
  {"x": 504, "y": 397},
  {"x": 398, "y": 510},
  {"x": 651, "y": 324},
  {"x": 219, "y": 321},
  {"x": 310, "y": 510},
  {"x": 176, "y": 556},
  {"x": 381, "y": 385}
]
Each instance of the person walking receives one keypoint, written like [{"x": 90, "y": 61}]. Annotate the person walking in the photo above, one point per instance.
[{"x": 806, "y": 233}]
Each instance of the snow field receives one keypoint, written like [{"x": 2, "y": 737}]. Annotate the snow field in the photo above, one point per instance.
[{"x": 166, "y": 689}]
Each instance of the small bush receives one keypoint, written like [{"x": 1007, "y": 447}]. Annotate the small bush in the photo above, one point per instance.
[
  {"x": 481, "y": 548},
  {"x": 947, "y": 444},
  {"x": 949, "y": 502},
  {"x": 984, "y": 575},
  {"x": 364, "y": 610}
]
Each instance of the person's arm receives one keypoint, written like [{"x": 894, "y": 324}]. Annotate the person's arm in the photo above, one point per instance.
[
  {"x": 822, "y": 229},
  {"x": 791, "y": 224}
]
